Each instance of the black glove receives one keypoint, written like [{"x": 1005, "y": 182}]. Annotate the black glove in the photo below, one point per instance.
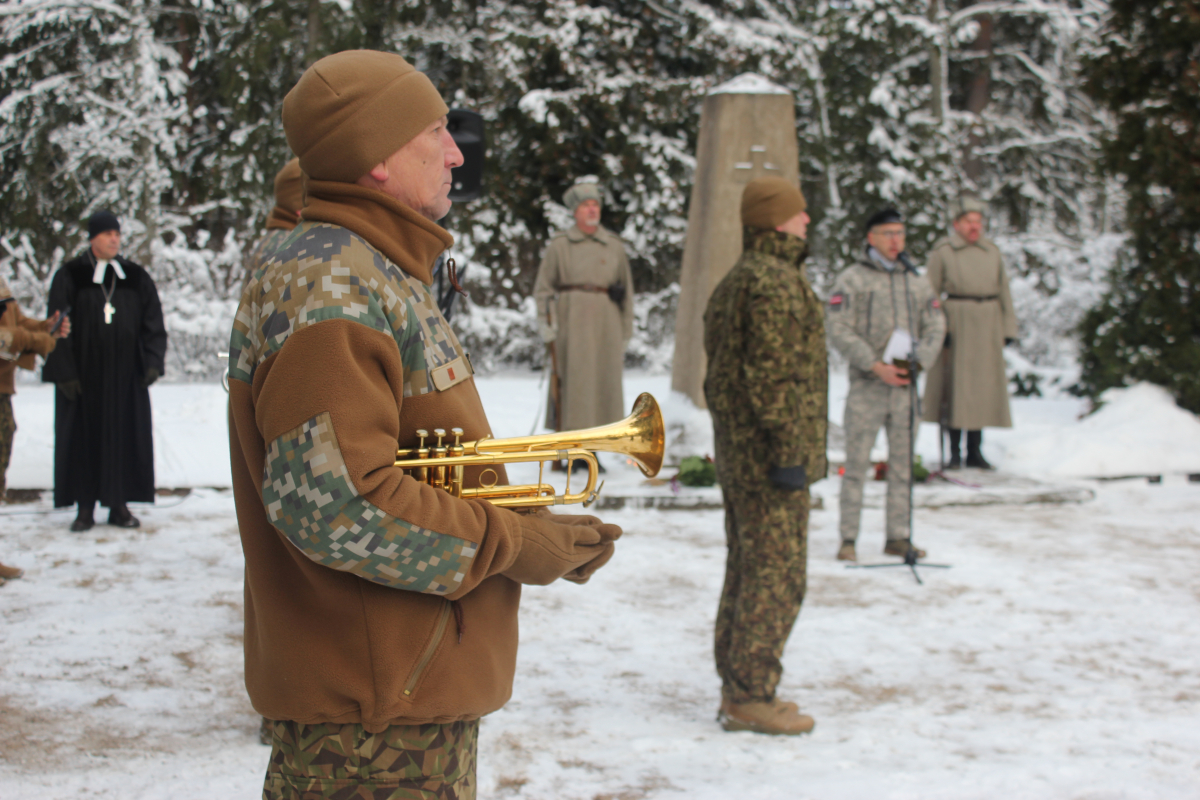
[
  {"x": 616, "y": 293},
  {"x": 946, "y": 341},
  {"x": 71, "y": 390},
  {"x": 793, "y": 479},
  {"x": 1008, "y": 340},
  {"x": 150, "y": 377}
]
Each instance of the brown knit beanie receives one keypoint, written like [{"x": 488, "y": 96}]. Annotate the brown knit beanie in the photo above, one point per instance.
[
  {"x": 351, "y": 110},
  {"x": 289, "y": 187},
  {"x": 770, "y": 202}
]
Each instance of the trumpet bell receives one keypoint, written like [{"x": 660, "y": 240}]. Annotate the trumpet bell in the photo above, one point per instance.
[{"x": 641, "y": 436}]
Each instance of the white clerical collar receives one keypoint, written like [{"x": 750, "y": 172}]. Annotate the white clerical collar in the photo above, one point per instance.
[{"x": 98, "y": 275}]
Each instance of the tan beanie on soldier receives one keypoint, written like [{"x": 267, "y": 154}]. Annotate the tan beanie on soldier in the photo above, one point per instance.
[
  {"x": 351, "y": 110},
  {"x": 769, "y": 202}
]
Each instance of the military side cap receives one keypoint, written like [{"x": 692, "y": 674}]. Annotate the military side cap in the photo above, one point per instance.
[
  {"x": 770, "y": 202},
  {"x": 885, "y": 217},
  {"x": 351, "y": 110}
]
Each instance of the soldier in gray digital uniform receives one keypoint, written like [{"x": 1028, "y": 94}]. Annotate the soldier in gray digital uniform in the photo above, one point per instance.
[{"x": 873, "y": 298}]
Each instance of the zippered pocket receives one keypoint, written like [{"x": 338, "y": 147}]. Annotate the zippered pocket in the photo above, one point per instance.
[{"x": 439, "y": 630}]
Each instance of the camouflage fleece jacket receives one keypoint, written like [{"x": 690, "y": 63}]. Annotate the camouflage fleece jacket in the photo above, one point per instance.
[
  {"x": 868, "y": 303},
  {"x": 370, "y": 597},
  {"x": 766, "y": 386}
]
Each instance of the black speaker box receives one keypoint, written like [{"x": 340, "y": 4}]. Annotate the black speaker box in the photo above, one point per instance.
[{"x": 467, "y": 129}]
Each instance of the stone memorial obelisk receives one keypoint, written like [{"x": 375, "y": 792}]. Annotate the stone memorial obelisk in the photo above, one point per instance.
[{"x": 747, "y": 130}]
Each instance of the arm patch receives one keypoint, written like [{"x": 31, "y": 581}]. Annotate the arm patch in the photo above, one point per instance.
[{"x": 838, "y": 302}]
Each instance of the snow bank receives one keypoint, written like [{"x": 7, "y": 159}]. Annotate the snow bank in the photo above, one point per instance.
[{"x": 1136, "y": 431}]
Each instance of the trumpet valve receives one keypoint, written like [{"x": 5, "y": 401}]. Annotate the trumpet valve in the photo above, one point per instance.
[
  {"x": 457, "y": 471},
  {"x": 422, "y": 452},
  {"x": 439, "y": 451}
]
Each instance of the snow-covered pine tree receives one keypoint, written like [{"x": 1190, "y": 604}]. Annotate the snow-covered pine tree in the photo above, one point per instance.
[
  {"x": 89, "y": 118},
  {"x": 1147, "y": 328}
]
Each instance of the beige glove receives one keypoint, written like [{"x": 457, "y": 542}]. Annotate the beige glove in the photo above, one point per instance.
[
  {"x": 557, "y": 546},
  {"x": 549, "y": 332}
]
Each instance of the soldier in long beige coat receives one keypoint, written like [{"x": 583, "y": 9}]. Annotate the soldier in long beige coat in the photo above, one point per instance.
[
  {"x": 967, "y": 388},
  {"x": 584, "y": 296}
]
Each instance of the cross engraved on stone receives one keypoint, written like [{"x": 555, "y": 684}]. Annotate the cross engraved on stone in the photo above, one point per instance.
[
  {"x": 756, "y": 167},
  {"x": 108, "y": 312}
]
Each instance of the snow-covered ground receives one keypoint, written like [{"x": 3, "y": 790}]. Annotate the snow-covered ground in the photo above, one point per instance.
[{"x": 1058, "y": 657}]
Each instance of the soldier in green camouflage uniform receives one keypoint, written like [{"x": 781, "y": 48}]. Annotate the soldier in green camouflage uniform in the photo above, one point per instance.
[
  {"x": 871, "y": 300},
  {"x": 764, "y": 335}
]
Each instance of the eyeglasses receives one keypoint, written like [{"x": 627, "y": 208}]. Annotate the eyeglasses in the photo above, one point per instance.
[{"x": 890, "y": 234}]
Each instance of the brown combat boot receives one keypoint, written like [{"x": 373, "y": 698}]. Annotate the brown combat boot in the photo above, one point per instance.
[
  {"x": 900, "y": 547},
  {"x": 846, "y": 552},
  {"x": 776, "y": 718},
  {"x": 7, "y": 572}
]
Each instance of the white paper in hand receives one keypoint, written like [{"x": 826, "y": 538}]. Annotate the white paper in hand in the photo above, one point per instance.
[{"x": 900, "y": 345}]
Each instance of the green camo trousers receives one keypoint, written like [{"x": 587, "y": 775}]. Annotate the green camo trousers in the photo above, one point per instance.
[
  {"x": 765, "y": 577},
  {"x": 345, "y": 762},
  {"x": 8, "y": 427}
]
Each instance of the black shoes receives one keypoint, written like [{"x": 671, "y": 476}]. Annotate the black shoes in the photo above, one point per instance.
[
  {"x": 121, "y": 518},
  {"x": 977, "y": 461},
  {"x": 118, "y": 517},
  {"x": 955, "y": 461}
]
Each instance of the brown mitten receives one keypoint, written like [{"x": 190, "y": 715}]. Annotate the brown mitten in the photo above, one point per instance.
[
  {"x": 557, "y": 546},
  {"x": 43, "y": 343}
]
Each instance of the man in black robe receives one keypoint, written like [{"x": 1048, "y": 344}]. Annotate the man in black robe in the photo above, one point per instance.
[{"x": 103, "y": 448}]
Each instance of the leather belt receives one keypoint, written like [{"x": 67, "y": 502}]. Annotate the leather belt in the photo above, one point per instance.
[
  {"x": 976, "y": 297},
  {"x": 583, "y": 287}
]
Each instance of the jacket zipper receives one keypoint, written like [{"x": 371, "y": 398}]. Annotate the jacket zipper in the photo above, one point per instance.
[
  {"x": 870, "y": 298},
  {"x": 439, "y": 629}
]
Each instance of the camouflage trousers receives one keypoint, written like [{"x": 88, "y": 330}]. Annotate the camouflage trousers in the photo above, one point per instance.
[
  {"x": 765, "y": 577},
  {"x": 345, "y": 762},
  {"x": 870, "y": 405},
  {"x": 8, "y": 428}
]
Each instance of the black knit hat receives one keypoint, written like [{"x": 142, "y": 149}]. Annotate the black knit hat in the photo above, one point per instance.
[
  {"x": 885, "y": 217},
  {"x": 102, "y": 221}
]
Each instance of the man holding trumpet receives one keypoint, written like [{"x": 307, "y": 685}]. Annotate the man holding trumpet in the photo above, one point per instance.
[{"x": 381, "y": 612}]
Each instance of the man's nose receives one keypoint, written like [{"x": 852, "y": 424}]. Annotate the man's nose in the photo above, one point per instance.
[{"x": 454, "y": 156}]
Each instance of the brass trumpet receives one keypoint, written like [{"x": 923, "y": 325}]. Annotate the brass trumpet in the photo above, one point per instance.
[{"x": 641, "y": 436}]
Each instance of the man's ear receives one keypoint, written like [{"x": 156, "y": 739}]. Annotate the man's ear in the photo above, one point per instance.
[{"x": 380, "y": 172}]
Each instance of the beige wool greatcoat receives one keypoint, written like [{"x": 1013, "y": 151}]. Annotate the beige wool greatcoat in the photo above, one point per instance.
[
  {"x": 967, "y": 387},
  {"x": 592, "y": 329}
]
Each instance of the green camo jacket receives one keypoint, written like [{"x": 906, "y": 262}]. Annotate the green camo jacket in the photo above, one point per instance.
[{"x": 766, "y": 387}]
